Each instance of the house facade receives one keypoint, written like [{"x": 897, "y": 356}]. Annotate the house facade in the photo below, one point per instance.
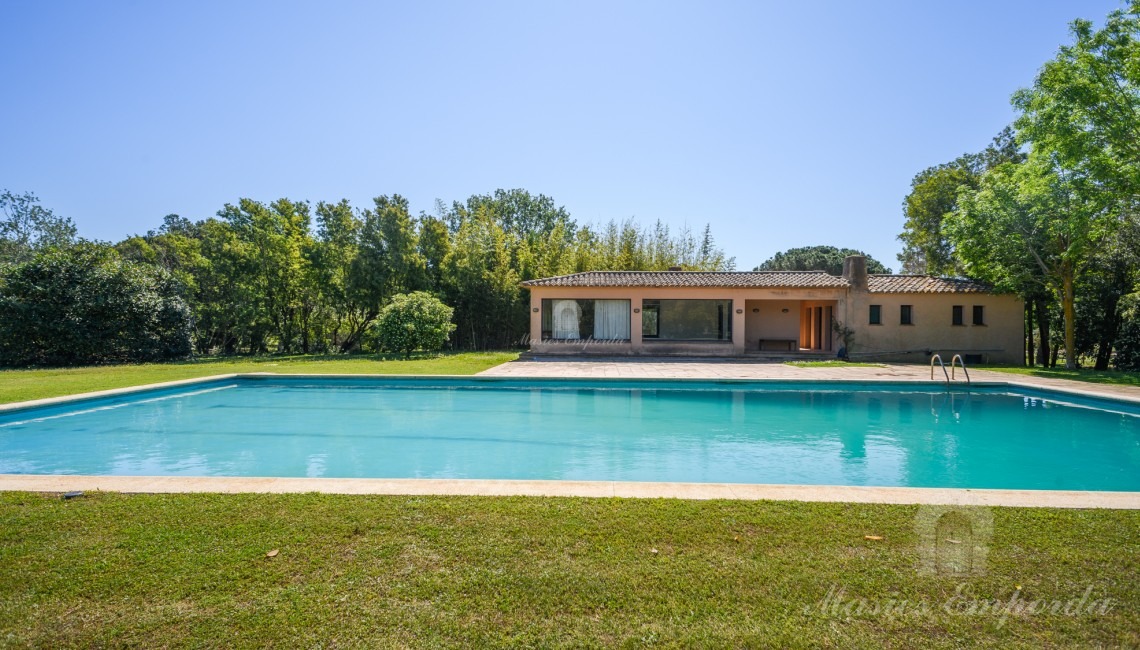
[{"x": 890, "y": 317}]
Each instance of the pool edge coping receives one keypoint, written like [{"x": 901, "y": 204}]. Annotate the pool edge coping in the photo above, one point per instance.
[{"x": 1067, "y": 499}]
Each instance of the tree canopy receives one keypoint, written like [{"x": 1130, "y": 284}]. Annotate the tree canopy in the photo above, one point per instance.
[
  {"x": 817, "y": 258},
  {"x": 1057, "y": 223},
  {"x": 291, "y": 276},
  {"x": 86, "y": 305}
]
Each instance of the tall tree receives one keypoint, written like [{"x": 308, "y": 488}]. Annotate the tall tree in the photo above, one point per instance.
[
  {"x": 1084, "y": 106},
  {"x": 1040, "y": 209},
  {"x": 482, "y": 285},
  {"x": 934, "y": 195},
  {"x": 337, "y": 247},
  {"x": 388, "y": 262},
  {"x": 28, "y": 227}
]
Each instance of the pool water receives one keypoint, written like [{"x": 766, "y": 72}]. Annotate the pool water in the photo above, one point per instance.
[{"x": 837, "y": 434}]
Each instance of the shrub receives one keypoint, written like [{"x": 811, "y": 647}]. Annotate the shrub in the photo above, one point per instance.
[
  {"x": 414, "y": 321},
  {"x": 84, "y": 305}
]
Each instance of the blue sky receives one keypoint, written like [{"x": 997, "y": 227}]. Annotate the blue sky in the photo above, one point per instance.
[{"x": 781, "y": 124}]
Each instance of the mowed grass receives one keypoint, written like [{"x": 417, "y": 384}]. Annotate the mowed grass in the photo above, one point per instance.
[
  {"x": 20, "y": 385},
  {"x": 394, "y": 571},
  {"x": 834, "y": 363},
  {"x": 1118, "y": 377}
]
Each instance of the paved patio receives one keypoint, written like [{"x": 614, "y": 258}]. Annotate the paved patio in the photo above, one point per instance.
[{"x": 641, "y": 368}]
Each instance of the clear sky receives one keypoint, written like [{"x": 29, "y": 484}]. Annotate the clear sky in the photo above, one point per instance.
[{"x": 780, "y": 123}]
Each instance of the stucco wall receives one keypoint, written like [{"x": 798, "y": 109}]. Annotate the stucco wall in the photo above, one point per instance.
[
  {"x": 765, "y": 319},
  {"x": 1000, "y": 340}
]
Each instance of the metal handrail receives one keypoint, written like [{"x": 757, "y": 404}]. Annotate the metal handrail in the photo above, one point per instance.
[
  {"x": 958, "y": 358},
  {"x": 938, "y": 358}
]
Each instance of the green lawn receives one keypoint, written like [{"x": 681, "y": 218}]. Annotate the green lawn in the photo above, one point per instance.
[
  {"x": 361, "y": 571},
  {"x": 1095, "y": 376},
  {"x": 20, "y": 385},
  {"x": 833, "y": 363}
]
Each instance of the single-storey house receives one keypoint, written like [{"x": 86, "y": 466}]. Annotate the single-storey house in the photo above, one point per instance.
[{"x": 764, "y": 313}]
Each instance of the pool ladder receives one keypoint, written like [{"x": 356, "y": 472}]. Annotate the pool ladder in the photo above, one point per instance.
[{"x": 957, "y": 358}]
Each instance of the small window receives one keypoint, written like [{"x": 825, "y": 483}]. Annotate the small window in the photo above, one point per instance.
[
  {"x": 876, "y": 314},
  {"x": 906, "y": 315},
  {"x": 979, "y": 315},
  {"x": 958, "y": 318}
]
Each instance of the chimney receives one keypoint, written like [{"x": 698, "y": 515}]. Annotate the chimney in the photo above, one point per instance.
[
  {"x": 855, "y": 270},
  {"x": 674, "y": 268}
]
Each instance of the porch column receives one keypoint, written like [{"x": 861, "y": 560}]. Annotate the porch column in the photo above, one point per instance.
[
  {"x": 535, "y": 319},
  {"x": 738, "y": 325}
]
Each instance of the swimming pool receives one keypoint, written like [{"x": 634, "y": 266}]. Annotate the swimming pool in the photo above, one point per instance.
[{"x": 861, "y": 434}]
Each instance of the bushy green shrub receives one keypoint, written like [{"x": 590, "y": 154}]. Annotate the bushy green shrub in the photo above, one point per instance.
[
  {"x": 413, "y": 321},
  {"x": 84, "y": 305}
]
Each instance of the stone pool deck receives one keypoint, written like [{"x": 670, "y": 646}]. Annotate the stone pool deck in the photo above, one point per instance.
[{"x": 715, "y": 369}]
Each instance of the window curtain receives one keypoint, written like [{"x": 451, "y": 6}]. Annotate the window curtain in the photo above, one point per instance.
[
  {"x": 566, "y": 316},
  {"x": 611, "y": 319}
]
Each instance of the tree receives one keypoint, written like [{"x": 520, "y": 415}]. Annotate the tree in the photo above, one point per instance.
[
  {"x": 1084, "y": 107},
  {"x": 388, "y": 262},
  {"x": 1039, "y": 210},
  {"x": 415, "y": 321},
  {"x": 817, "y": 258},
  {"x": 279, "y": 245},
  {"x": 482, "y": 284},
  {"x": 28, "y": 227},
  {"x": 85, "y": 305},
  {"x": 934, "y": 195}
]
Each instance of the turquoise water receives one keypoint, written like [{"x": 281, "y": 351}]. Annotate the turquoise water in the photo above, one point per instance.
[{"x": 628, "y": 431}]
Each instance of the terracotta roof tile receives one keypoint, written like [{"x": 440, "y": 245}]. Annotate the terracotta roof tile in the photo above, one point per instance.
[
  {"x": 759, "y": 279},
  {"x": 924, "y": 284},
  {"x": 734, "y": 279}
]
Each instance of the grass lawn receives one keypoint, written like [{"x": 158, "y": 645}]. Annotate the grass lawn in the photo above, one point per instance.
[
  {"x": 20, "y": 385},
  {"x": 833, "y": 363},
  {"x": 384, "y": 571},
  {"x": 1094, "y": 376}
]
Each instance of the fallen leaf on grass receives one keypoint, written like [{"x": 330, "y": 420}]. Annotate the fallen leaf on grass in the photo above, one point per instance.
[
  {"x": 653, "y": 551},
  {"x": 872, "y": 537},
  {"x": 273, "y": 553}
]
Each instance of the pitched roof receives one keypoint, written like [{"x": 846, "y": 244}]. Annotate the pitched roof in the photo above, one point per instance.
[
  {"x": 924, "y": 284},
  {"x": 734, "y": 279},
  {"x": 759, "y": 279}
]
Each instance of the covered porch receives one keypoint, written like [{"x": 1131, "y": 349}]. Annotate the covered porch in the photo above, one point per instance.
[{"x": 790, "y": 326}]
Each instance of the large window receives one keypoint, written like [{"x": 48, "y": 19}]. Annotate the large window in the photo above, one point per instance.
[
  {"x": 571, "y": 319},
  {"x": 687, "y": 320},
  {"x": 876, "y": 315},
  {"x": 979, "y": 315},
  {"x": 906, "y": 315},
  {"x": 956, "y": 315}
]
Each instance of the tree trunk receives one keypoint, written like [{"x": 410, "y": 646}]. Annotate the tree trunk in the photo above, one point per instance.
[
  {"x": 1068, "y": 300},
  {"x": 1108, "y": 334},
  {"x": 1042, "y": 310},
  {"x": 1028, "y": 333}
]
